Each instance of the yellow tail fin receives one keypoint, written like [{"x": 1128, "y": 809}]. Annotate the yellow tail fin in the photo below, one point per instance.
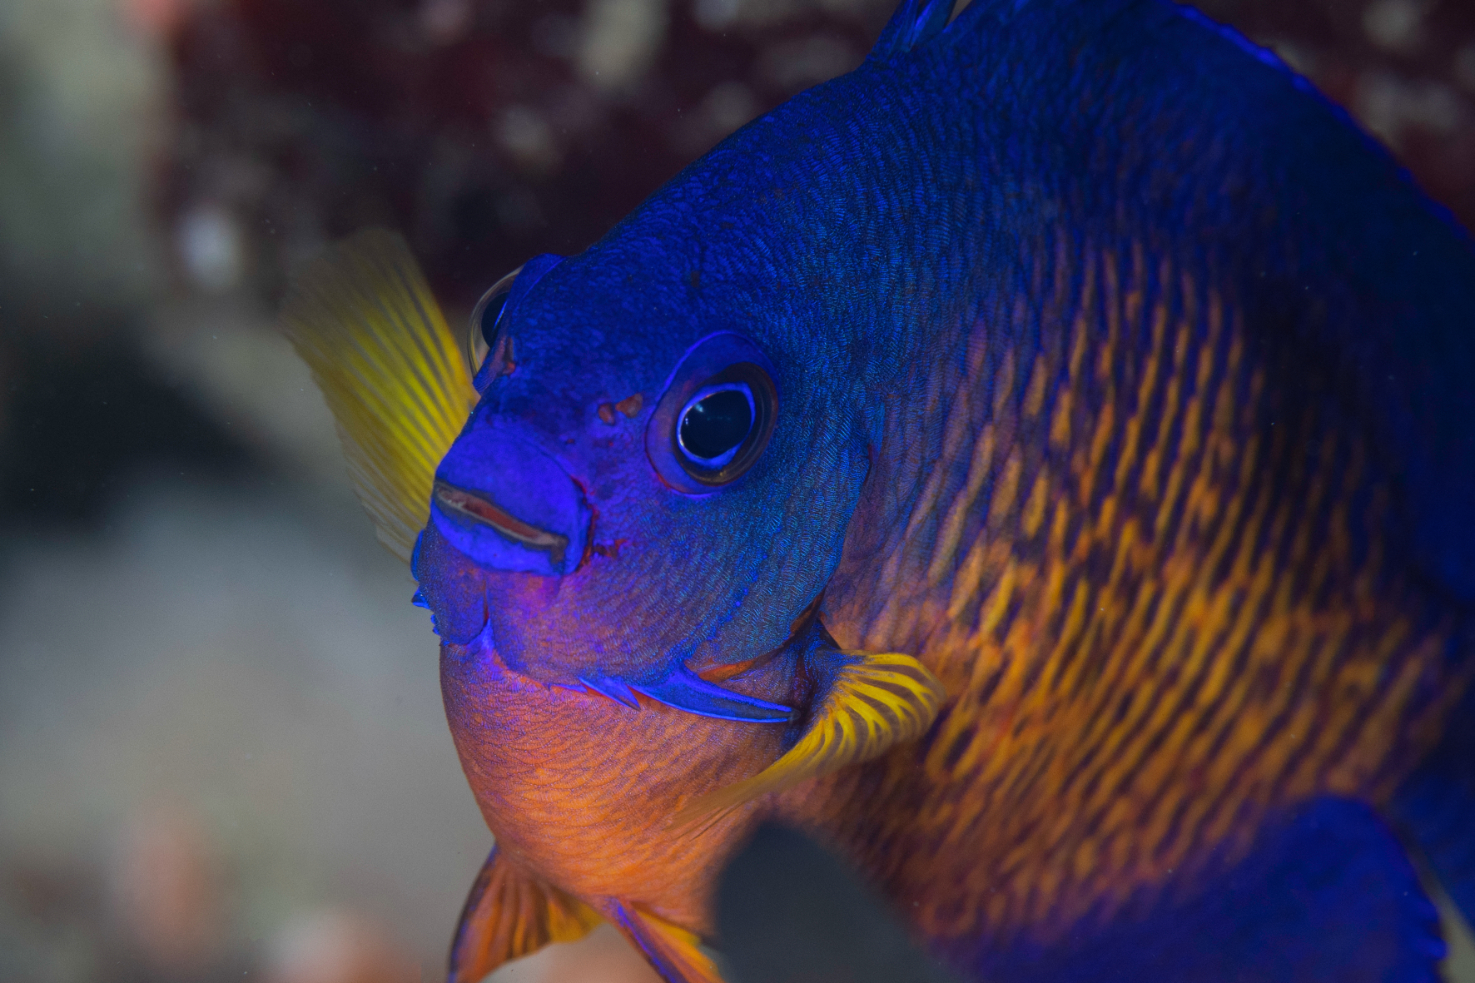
[{"x": 363, "y": 319}]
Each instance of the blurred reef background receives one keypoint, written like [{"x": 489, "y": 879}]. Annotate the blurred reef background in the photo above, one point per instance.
[{"x": 222, "y": 752}]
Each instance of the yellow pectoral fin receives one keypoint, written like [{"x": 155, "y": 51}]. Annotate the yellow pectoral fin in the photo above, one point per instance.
[
  {"x": 872, "y": 704},
  {"x": 366, "y": 324},
  {"x": 676, "y": 953},
  {"x": 510, "y": 913}
]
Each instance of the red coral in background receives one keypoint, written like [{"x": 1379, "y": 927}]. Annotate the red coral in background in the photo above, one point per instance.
[
  {"x": 489, "y": 131},
  {"x": 481, "y": 130}
]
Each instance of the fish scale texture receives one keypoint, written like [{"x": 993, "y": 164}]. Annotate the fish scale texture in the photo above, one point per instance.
[
  {"x": 1160, "y": 618},
  {"x": 1122, "y": 384},
  {"x": 1160, "y": 548},
  {"x": 1298, "y": 908}
]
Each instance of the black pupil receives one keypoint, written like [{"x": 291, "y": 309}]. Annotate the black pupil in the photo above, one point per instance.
[
  {"x": 717, "y": 424},
  {"x": 489, "y": 316}
]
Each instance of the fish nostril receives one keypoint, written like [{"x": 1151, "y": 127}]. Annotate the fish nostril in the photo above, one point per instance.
[{"x": 479, "y": 509}]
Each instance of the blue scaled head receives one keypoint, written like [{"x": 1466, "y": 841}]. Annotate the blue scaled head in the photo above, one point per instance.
[{"x": 669, "y": 442}]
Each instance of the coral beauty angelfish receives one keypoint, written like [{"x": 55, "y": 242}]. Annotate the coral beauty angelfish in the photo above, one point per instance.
[{"x": 1039, "y": 463}]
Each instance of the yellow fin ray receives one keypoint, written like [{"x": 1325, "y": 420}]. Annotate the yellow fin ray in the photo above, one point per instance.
[
  {"x": 364, "y": 320},
  {"x": 675, "y": 952},
  {"x": 872, "y": 705},
  {"x": 510, "y": 914}
]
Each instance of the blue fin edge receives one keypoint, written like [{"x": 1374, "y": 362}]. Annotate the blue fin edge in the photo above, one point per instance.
[
  {"x": 683, "y": 689},
  {"x": 914, "y": 22},
  {"x": 918, "y": 21},
  {"x": 616, "y": 689}
]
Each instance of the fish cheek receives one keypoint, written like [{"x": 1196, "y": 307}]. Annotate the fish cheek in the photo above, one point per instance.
[
  {"x": 783, "y": 545},
  {"x": 825, "y": 499}
]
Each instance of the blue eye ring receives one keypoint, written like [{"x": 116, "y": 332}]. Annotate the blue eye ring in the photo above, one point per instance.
[
  {"x": 723, "y": 361},
  {"x": 753, "y": 382},
  {"x": 721, "y": 460}
]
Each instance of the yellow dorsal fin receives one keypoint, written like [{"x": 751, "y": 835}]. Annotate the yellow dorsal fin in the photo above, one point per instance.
[
  {"x": 509, "y": 914},
  {"x": 675, "y": 952},
  {"x": 363, "y": 319},
  {"x": 872, "y": 704}
]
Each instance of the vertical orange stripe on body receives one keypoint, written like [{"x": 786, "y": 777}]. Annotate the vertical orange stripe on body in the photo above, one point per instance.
[{"x": 1147, "y": 610}]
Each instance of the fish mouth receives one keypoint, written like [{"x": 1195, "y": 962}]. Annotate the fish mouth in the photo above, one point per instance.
[{"x": 476, "y": 508}]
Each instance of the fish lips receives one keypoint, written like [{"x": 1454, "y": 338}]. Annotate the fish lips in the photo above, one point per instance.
[{"x": 508, "y": 505}]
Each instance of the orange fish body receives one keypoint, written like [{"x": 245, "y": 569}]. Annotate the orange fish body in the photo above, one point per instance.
[
  {"x": 1039, "y": 464},
  {"x": 1131, "y": 688},
  {"x": 1145, "y": 657},
  {"x": 526, "y": 750}
]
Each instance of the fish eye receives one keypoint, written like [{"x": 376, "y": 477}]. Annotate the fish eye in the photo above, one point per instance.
[
  {"x": 714, "y": 423},
  {"x": 723, "y": 428},
  {"x": 714, "y": 419},
  {"x": 486, "y": 318}
]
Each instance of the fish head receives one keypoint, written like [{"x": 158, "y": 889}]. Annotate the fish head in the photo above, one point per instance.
[{"x": 660, "y": 469}]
